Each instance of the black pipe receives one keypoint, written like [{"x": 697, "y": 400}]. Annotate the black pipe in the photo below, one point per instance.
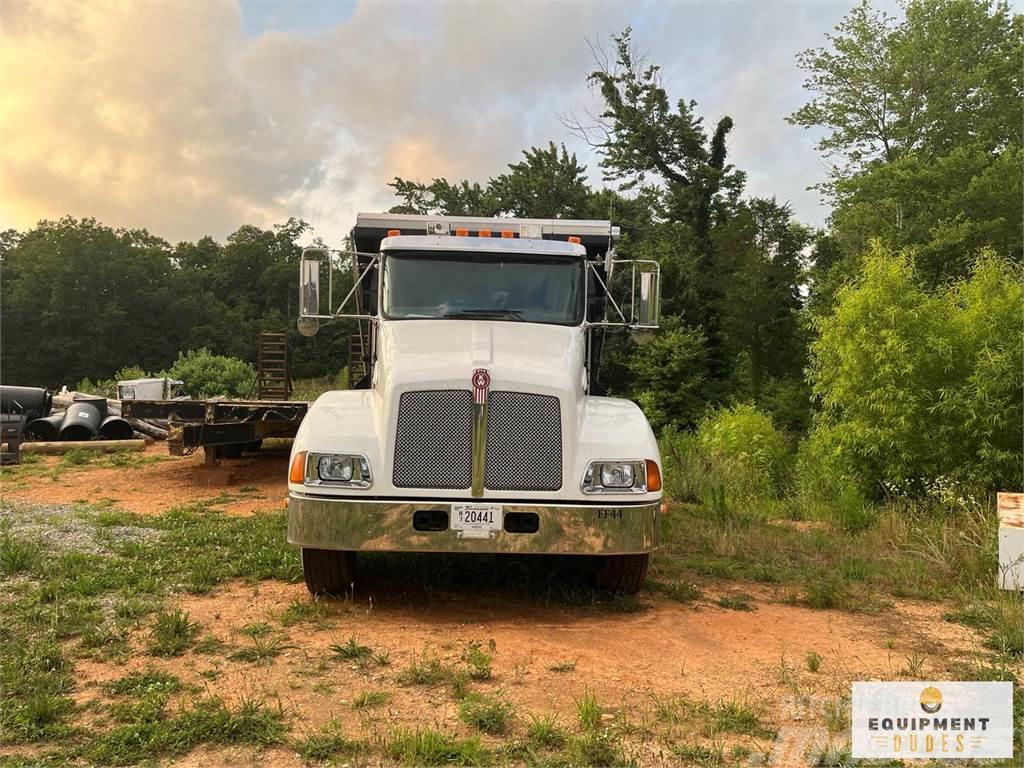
[
  {"x": 46, "y": 428},
  {"x": 116, "y": 428},
  {"x": 81, "y": 421},
  {"x": 34, "y": 402},
  {"x": 96, "y": 401}
]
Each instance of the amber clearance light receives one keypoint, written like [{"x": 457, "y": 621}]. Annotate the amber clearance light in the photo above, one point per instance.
[
  {"x": 297, "y": 473},
  {"x": 653, "y": 476}
]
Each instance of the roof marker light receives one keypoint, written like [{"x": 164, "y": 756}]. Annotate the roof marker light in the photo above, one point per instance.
[
  {"x": 484, "y": 233},
  {"x": 575, "y": 239},
  {"x": 507, "y": 233},
  {"x": 461, "y": 232},
  {"x": 394, "y": 232}
]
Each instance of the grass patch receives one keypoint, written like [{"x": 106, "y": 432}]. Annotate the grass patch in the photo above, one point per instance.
[
  {"x": 263, "y": 650},
  {"x": 427, "y": 670},
  {"x": 736, "y": 602},
  {"x": 17, "y": 555},
  {"x": 429, "y": 748},
  {"x": 351, "y": 650},
  {"x": 596, "y": 748},
  {"x": 138, "y": 684},
  {"x": 328, "y": 743},
  {"x": 303, "y": 611},
  {"x": 489, "y": 714},
  {"x": 588, "y": 711},
  {"x": 172, "y": 633},
  {"x": 544, "y": 732},
  {"x": 479, "y": 660},
  {"x": 563, "y": 667}
]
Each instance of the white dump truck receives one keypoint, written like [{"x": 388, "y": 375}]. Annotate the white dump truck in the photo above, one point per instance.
[{"x": 475, "y": 425}]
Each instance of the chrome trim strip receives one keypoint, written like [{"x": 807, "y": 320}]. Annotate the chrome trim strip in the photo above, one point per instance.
[
  {"x": 386, "y": 526},
  {"x": 479, "y": 448}
]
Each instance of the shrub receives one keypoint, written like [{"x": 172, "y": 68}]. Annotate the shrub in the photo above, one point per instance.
[
  {"x": 917, "y": 384},
  {"x": 745, "y": 435},
  {"x": 208, "y": 375}
]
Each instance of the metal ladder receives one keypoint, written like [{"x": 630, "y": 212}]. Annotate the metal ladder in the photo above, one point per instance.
[{"x": 272, "y": 379}]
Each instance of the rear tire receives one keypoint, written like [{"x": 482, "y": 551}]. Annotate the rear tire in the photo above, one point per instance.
[
  {"x": 328, "y": 571},
  {"x": 622, "y": 573}
]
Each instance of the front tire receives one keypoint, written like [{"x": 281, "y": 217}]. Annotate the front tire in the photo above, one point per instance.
[
  {"x": 328, "y": 571},
  {"x": 622, "y": 573}
]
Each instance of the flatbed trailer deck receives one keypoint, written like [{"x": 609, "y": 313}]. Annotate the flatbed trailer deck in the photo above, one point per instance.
[{"x": 220, "y": 427}]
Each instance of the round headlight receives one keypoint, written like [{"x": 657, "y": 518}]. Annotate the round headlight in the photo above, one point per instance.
[
  {"x": 335, "y": 468},
  {"x": 617, "y": 475}
]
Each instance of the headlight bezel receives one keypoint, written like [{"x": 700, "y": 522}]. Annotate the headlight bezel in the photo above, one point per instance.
[
  {"x": 592, "y": 476},
  {"x": 362, "y": 474}
]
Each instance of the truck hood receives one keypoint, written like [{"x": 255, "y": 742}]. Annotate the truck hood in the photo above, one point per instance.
[{"x": 442, "y": 354}]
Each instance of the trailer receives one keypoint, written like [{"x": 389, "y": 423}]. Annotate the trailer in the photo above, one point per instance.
[{"x": 222, "y": 428}]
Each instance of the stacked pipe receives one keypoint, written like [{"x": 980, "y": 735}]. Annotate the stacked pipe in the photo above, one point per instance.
[{"x": 86, "y": 417}]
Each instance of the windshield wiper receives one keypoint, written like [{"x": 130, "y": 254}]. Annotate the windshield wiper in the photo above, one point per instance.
[{"x": 485, "y": 313}]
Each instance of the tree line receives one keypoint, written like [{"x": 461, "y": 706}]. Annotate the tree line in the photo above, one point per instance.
[{"x": 920, "y": 116}]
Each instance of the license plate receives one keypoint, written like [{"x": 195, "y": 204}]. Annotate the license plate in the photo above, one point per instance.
[{"x": 476, "y": 521}]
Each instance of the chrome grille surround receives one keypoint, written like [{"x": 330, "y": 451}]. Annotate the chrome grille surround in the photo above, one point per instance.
[
  {"x": 434, "y": 439},
  {"x": 524, "y": 442}
]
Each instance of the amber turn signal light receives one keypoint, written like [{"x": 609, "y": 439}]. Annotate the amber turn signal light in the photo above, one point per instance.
[
  {"x": 297, "y": 472},
  {"x": 653, "y": 476}
]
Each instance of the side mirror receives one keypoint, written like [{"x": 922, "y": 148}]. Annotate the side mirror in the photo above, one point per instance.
[
  {"x": 647, "y": 307},
  {"x": 309, "y": 296}
]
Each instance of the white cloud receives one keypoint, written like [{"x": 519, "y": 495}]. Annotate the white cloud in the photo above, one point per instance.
[{"x": 167, "y": 115}]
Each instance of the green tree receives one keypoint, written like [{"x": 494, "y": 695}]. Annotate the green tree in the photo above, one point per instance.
[
  {"x": 548, "y": 183},
  {"x": 946, "y": 75},
  {"x": 916, "y": 384}
]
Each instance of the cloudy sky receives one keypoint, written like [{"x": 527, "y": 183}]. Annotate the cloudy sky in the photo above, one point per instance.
[{"x": 191, "y": 117}]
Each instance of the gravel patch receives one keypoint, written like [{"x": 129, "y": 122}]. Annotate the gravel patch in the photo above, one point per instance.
[{"x": 67, "y": 528}]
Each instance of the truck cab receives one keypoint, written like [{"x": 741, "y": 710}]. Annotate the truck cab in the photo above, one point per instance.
[{"x": 476, "y": 427}]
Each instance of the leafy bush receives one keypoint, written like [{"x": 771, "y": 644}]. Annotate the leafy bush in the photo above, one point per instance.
[
  {"x": 208, "y": 375},
  {"x": 917, "y": 384},
  {"x": 108, "y": 387},
  {"x": 746, "y": 436}
]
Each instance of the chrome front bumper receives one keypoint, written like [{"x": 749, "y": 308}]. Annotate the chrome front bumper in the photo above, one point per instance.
[{"x": 318, "y": 522}]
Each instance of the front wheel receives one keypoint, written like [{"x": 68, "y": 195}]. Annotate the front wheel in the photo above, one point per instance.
[
  {"x": 328, "y": 571},
  {"x": 622, "y": 573}
]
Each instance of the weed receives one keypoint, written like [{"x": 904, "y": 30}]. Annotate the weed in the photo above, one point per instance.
[
  {"x": 209, "y": 645},
  {"x": 78, "y": 457},
  {"x": 489, "y": 714},
  {"x": 427, "y": 670},
  {"x": 563, "y": 666},
  {"x": 826, "y": 592},
  {"x": 837, "y": 714},
  {"x": 813, "y": 661},
  {"x": 479, "y": 660},
  {"x": 735, "y": 602},
  {"x": 368, "y": 699},
  {"x": 832, "y": 756},
  {"x": 736, "y": 717},
  {"x": 430, "y": 748},
  {"x": 263, "y": 649},
  {"x": 544, "y": 732},
  {"x": 914, "y": 665},
  {"x": 301, "y": 611},
  {"x": 17, "y": 555},
  {"x": 588, "y": 711},
  {"x": 173, "y": 633},
  {"x": 351, "y": 650},
  {"x": 144, "y": 683},
  {"x": 594, "y": 748},
  {"x": 382, "y": 658},
  {"x": 680, "y": 591},
  {"x": 700, "y": 755},
  {"x": 257, "y": 629},
  {"x": 329, "y": 742}
]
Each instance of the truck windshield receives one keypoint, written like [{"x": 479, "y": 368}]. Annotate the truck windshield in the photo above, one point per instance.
[{"x": 483, "y": 286}]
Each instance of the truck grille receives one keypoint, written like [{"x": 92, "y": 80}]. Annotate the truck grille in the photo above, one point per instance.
[
  {"x": 434, "y": 441},
  {"x": 524, "y": 442}
]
